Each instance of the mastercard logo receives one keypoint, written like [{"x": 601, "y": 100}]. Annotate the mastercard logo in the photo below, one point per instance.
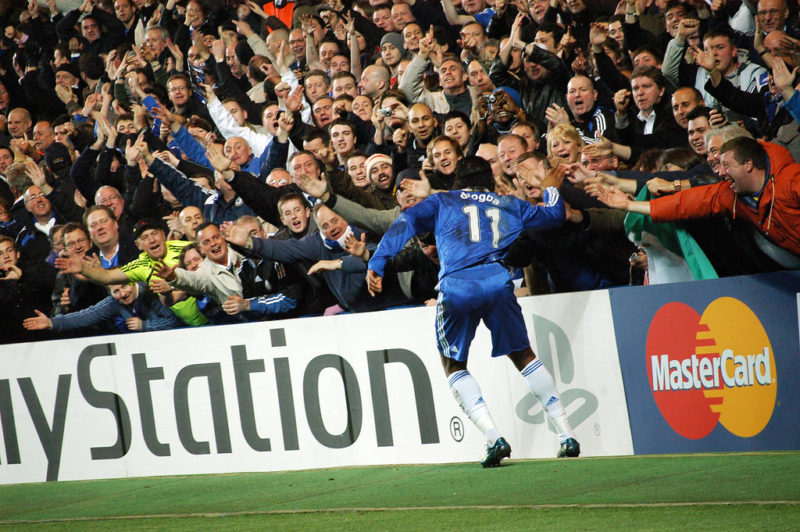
[{"x": 717, "y": 367}]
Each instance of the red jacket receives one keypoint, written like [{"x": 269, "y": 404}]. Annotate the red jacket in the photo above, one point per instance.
[{"x": 778, "y": 213}]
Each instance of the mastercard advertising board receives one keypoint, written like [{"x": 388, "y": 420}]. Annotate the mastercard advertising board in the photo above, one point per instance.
[{"x": 711, "y": 365}]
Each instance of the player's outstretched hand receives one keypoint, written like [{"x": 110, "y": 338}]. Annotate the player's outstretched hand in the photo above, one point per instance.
[
  {"x": 555, "y": 176},
  {"x": 374, "y": 283}
]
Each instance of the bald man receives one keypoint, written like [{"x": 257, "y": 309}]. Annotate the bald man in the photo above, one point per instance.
[
  {"x": 375, "y": 80},
  {"x": 423, "y": 126}
]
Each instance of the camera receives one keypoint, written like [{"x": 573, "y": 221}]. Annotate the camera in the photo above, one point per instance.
[
  {"x": 491, "y": 98},
  {"x": 386, "y": 111}
]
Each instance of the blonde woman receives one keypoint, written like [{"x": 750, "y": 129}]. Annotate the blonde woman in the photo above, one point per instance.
[{"x": 564, "y": 144}]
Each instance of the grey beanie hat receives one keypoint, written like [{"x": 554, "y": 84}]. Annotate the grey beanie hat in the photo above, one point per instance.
[{"x": 395, "y": 39}]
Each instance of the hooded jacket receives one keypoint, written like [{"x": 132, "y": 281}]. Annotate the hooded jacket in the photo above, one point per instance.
[{"x": 777, "y": 215}]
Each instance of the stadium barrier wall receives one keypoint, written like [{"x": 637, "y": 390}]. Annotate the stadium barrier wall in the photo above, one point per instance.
[
  {"x": 357, "y": 389},
  {"x": 711, "y": 365}
]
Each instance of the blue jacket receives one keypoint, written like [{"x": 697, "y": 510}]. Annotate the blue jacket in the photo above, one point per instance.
[
  {"x": 197, "y": 153},
  {"x": 154, "y": 315},
  {"x": 215, "y": 208}
]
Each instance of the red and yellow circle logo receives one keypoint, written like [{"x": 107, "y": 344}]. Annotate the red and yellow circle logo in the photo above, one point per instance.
[{"x": 718, "y": 367}]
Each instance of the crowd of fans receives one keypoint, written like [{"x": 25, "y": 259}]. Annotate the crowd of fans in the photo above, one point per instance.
[{"x": 167, "y": 163}]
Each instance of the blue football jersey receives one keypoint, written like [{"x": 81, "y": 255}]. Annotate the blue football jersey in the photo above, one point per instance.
[{"x": 471, "y": 227}]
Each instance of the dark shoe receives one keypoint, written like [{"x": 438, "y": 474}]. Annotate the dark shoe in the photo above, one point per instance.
[
  {"x": 501, "y": 449},
  {"x": 570, "y": 448}
]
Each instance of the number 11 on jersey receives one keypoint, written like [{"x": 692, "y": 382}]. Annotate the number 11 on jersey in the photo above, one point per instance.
[{"x": 473, "y": 214}]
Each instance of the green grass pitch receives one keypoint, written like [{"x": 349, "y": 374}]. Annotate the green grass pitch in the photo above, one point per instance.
[{"x": 721, "y": 491}]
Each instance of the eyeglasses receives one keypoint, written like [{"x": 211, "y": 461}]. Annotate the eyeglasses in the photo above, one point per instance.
[
  {"x": 107, "y": 200},
  {"x": 177, "y": 89},
  {"x": 765, "y": 12},
  {"x": 34, "y": 197},
  {"x": 70, "y": 245}
]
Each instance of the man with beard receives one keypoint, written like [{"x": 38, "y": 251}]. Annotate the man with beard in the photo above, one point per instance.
[{"x": 381, "y": 176}]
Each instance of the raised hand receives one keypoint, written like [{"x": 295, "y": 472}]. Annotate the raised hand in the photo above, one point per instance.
[
  {"x": 703, "y": 59},
  {"x": 400, "y": 138},
  {"x": 556, "y": 114},
  {"x": 357, "y": 247},
  {"x": 65, "y": 94},
  {"x": 132, "y": 154},
  {"x": 33, "y": 8},
  {"x": 167, "y": 156},
  {"x": 717, "y": 119},
  {"x": 419, "y": 188},
  {"x": 218, "y": 50},
  {"x": 554, "y": 177},
  {"x": 294, "y": 101},
  {"x": 686, "y": 28},
  {"x": 64, "y": 300},
  {"x": 781, "y": 75},
  {"x": 236, "y": 234},
  {"x": 622, "y": 100},
  {"x": 12, "y": 272},
  {"x": 163, "y": 271},
  {"x": 285, "y": 123},
  {"x": 217, "y": 158},
  {"x": 35, "y": 173},
  {"x": 601, "y": 148},
  {"x": 255, "y": 8},
  {"x": 310, "y": 185},
  {"x": 598, "y": 33},
  {"x": 578, "y": 173},
  {"x": 243, "y": 28}
]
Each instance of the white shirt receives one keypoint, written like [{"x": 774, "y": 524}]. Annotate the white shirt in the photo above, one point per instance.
[
  {"x": 46, "y": 228},
  {"x": 649, "y": 121}
]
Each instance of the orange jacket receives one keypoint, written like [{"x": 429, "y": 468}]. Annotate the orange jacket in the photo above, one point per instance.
[{"x": 778, "y": 212}]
